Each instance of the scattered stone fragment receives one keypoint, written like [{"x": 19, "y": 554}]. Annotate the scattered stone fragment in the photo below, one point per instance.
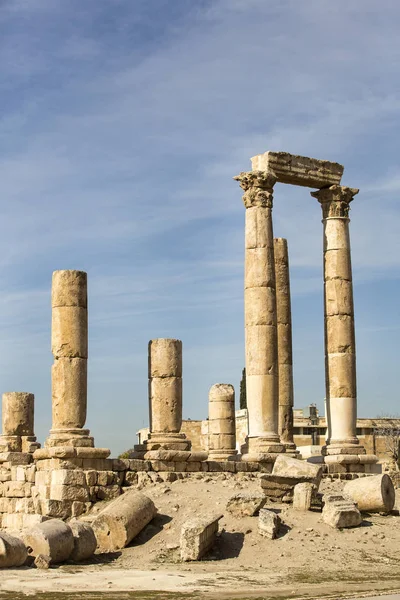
[
  {"x": 52, "y": 538},
  {"x": 303, "y": 496},
  {"x": 286, "y": 466},
  {"x": 122, "y": 520},
  {"x": 13, "y": 552},
  {"x": 85, "y": 542},
  {"x": 42, "y": 561},
  {"x": 268, "y": 523},
  {"x": 198, "y": 536},
  {"x": 245, "y": 505},
  {"x": 372, "y": 494},
  {"x": 340, "y": 512}
]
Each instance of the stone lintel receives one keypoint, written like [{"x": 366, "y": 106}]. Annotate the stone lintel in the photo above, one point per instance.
[
  {"x": 298, "y": 170},
  {"x": 71, "y": 452}
]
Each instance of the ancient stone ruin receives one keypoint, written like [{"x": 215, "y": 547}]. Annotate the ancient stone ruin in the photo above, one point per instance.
[{"x": 46, "y": 492}]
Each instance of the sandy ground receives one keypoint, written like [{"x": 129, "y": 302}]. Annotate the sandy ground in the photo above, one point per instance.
[{"x": 308, "y": 559}]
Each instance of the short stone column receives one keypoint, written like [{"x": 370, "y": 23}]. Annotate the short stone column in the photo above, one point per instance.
[
  {"x": 165, "y": 396},
  {"x": 285, "y": 355},
  {"x": 18, "y": 423},
  {"x": 221, "y": 422},
  {"x": 340, "y": 350},
  {"x": 261, "y": 346}
]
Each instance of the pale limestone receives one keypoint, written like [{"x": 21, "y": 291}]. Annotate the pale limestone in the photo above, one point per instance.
[
  {"x": 268, "y": 523},
  {"x": 303, "y": 494},
  {"x": 69, "y": 389},
  {"x": 298, "y": 170},
  {"x": 18, "y": 413},
  {"x": 340, "y": 512},
  {"x": 85, "y": 542},
  {"x": 221, "y": 415},
  {"x": 69, "y": 288},
  {"x": 245, "y": 505},
  {"x": 198, "y": 536},
  {"x": 372, "y": 494},
  {"x": 117, "y": 525},
  {"x": 286, "y": 466},
  {"x": 165, "y": 358},
  {"x": 52, "y": 538},
  {"x": 13, "y": 552},
  {"x": 69, "y": 332}
]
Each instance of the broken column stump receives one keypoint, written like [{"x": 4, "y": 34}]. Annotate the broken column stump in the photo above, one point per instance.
[
  {"x": 372, "y": 494},
  {"x": 198, "y": 536}
]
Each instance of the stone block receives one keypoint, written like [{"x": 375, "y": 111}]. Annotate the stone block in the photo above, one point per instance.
[
  {"x": 298, "y": 170},
  {"x": 91, "y": 478},
  {"x": 198, "y": 536},
  {"x": 131, "y": 478},
  {"x": 58, "y": 509},
  {"x": 303, "y": 494},
  {"x": 17, "y": 489},
  {"x": 68, "y": 477},
  {"x": 165, "y": 358},
  {"x": 109, "y": 492},
  {"x": 42, "y": 561},
  {"x": 69, "y": 288},
  {"x": 245, "y": 505},
  {"x": 78, "y": 508},
  {"x": 69, "y": 492},
  {"x": 268, "y": 523},
  {"x": 5, "y": 475},
  {"x": 286, "y": 466},
  {"x": 139, "y": 465},
  {"x": 340, "y": 512},
  {"x": 276, "y": 487}
]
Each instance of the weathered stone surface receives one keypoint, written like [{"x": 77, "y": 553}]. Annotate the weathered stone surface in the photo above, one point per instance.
[
  {"x": 221, "y": 422},
  {"x": 69, "y": 288},
  {"x": 18, "y": 413},
  {"x": 245, "y": 505},
  {"x": 340, "y": 512},
  {"x": 303, "y": 496},
  {"x": 69, "y": 332},
  {"x": 165, "y": 358},
  {"x": 375, "y": 493},
  {"x": 52, "y": 538},
  {"x": 85, "y": 542},
  {"x": 286, "y": 466},
  {"x": 69, "y": 391},
  {"x": 166, "y": 404},
  {"x": 298, "y": 170},
  {"x": 42, "y": 561},
  {"x": 122, "y": 520},
  {"x": 277, "y": 487},
  {"x": 13, "y": 552},
  {"x": 268, "y": 523},
  {"x": 198, "y": 536}
]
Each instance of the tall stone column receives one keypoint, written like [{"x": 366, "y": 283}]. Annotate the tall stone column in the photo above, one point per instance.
[
  {"x": 18, "y": 422},
  {"x": 221, "y": 422},
  {"x": 70, "y": 350},
  {"x": 165, "y": 396},
  {"x": 261, "y": 346},
  {"x": 285, "y": 356},
  {"x": 340, "y": 350}
]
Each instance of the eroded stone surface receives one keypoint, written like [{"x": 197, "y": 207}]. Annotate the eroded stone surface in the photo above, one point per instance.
[
  {"x": 268, "y": 523},
  {"x": 372, "y": 494},
  {"x": 245, "y": 505},
  {"x": 198, "y": 536}
]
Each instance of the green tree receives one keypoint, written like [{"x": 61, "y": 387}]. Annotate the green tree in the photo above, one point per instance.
[{"x": 243, "y": 396}]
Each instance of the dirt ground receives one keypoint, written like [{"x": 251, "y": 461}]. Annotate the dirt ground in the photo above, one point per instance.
[{"x": 308, "y": 560}]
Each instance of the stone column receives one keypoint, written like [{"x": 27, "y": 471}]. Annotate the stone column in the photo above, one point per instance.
[
  {"x": 340, "y": 351},
  {"x": 221, "y": 422},
  {"x": 17, "y": 421},
  {"x": 260, "y": 318},
  {"x": 165, "y": 396},
  {"x": 285, "y": 357},
  {"x": 69, "y": 342}
]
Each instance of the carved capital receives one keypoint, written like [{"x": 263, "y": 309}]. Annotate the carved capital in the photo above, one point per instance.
[
  {"x": 335, "y": 200},
  {"x": 258, "y": 188}
]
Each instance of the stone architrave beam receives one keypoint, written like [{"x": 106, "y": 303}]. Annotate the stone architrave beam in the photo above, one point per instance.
[{"x": 298, "y": 170}]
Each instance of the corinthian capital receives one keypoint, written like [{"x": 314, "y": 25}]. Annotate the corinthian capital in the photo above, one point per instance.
[
  {"x": 335, "y": 200},
  {"x": 258, "y": 188}
]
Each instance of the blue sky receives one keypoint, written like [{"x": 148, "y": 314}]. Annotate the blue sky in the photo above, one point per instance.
[{"x": 122, "y": 124}]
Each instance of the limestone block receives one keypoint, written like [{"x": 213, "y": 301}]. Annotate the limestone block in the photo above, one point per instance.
[
  {"x": 259, "y": 268},
  {"x": 117, "y": 525},
  {"x": 166, "y": 404},
  {"x": 341, "y": 375},
  {"x": 108, "y": 492},
  {"x": 286, "y": 466},
  {"x": 222, "y": 426},
  {"x": 337, "y": 264},
  {"x": 69, "y": 391},
  {"x": 85, "y": 542},
  {"x": 303, "y": 494},
  {"x": 17, "y": 413},
  {"x": 280, "y": 488},
  {"x": 260, "y": 360},
  {"x": 259, "y": 305},
  {"x": 5, "y": 475},
  {"x": 375, "y": 493},
  {"x": 131, "y": 478},
  {"x": 13, "y": 552},
  {"x": 298, "y": 170},
  {"x": 24, "y": 505},
  {"x": 17, "y": 489},
  {"x": 69, "y": 288},
  {"x": 221, "y": 441},
  {"x": 69, "y": 492},
  {"x": 53, "y": 538},
  {"x": 58, "y": 509},
  {"x": 336, "y": 235},
  {"x": 68, "y": 477},
  {"x": 69, "y": 332},
  {"x": 338, "y": 297},
  {"x": 340, "y": 334},
  {"x": 258, "y": 233},
  {"x": 91, "y": 477},
  {"x": 220, "y": 410},
  {"x": 42, "y": 561},
  {"x": 340, "y": 512},
  {"x": 198, "y": 536},
  {"x": 268, "y": 523},
  {"x": 11, "y": 443},
  {"x": 245, "y": 505},
  {"x": 165, "y": 358}
]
